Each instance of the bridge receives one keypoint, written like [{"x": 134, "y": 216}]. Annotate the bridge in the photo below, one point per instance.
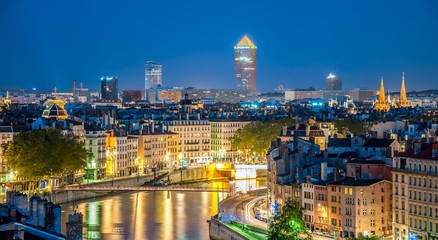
[{"x": 142, "y": 188}]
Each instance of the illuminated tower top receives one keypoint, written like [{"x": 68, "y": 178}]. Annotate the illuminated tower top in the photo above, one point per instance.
[
  {"x": 403, "y": 100},
  {"x": 246, "y": 42},
  {"x": 333, "y": 83},
  {"x": 382, "y": 103},
  {"x": 382, "y": 91},
  {"x": 245, "y": 64},
  {"x": 403, "y": 90}
]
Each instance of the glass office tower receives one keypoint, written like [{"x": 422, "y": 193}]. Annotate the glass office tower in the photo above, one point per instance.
[
  {"x": 109, "y": 88},
  {"x": 245, "y": 64}
]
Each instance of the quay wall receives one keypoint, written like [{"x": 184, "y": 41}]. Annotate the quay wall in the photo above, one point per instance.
[{"x": 218, "y": 231}]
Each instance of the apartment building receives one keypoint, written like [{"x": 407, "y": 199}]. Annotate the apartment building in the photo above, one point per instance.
[
  {"x": 157, "y": 151},
  {"x": 95, "y": 141},
  {"x": 307, "y": 202},
  {"x": 415, "y": 175},
  {"x": 194, "y": 139},
  {"x": 222, "y": 130},
  {"x": 321, "y": 206},
  {"x": 360, "y": 207}
]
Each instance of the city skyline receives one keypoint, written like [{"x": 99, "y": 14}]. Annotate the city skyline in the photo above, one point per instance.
[{"x": 298, "y": 47}]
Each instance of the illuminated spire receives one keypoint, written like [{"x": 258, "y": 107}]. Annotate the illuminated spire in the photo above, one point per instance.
[
  {"x": 403, "y": 100},
  {"x": 382, "y": 103},
  {"x": 246, "y": 42},
  {"x": 7, "y": 94},
  {"x": 382, "y": 91}
]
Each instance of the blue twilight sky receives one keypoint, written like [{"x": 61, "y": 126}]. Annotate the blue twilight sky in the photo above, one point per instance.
[{"x": 49, "y": 43}]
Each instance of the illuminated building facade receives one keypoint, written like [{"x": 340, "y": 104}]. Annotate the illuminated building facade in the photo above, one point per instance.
[
  {"x": 333, "y": 83},
  {"x": 415, "y": 195},
  {"x": 109, "y": 88},
  {"x": 95, "y": 141},
  {"x": 156, "y": 151},
  {"x": 194, "y": 139},
  {"x": 222, "y": 130},
  {"x": 245, "y": 64},
  {"x": 382, "y": 103},
  {"x": 360, "y": 207},
  {"x": 153, "y": 74}
]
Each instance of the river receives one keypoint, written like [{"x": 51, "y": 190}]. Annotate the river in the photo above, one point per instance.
[{"x": 151, "y": 215}]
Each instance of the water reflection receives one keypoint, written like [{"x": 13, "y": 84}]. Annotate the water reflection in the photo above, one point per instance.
[{"x": 150, "y": 215}]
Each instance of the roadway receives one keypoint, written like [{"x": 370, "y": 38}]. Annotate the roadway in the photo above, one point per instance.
[{"x": 239, "y": 208}]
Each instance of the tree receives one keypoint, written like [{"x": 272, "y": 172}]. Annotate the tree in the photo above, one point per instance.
[
  {"x": 256, "y": 137},
  {"x": 289, "y": 224},
  {"x": 40, "y": 154},
  {"x": 354, "y": 126}
]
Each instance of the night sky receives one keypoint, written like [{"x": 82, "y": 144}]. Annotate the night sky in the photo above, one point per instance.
[{"x": 44, "y": 44}]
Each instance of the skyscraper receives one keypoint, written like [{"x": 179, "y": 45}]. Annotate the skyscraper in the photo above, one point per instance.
[
  {"x": 245, "y": 64},
  {"x": 153, "y": 75},
  {"x": 109, "y": 88},
  {"x": 333, "y": 83}
]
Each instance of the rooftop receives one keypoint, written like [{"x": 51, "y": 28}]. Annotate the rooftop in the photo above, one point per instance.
[{"x": 245, "y": 42}]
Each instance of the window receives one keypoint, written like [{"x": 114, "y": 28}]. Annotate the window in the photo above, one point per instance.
[
  {"x": 333, "y": 220},
  {"x": 333, "y": 209},
  {"x": 364, "y": 212},
  {"x": 373, "y": 223},
  {"x": 373, "y": 211}
]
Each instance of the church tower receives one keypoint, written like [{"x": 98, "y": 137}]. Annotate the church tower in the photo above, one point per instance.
[
  {"x": 403, "y": 102},
  {"x": 382, "y": 103}
]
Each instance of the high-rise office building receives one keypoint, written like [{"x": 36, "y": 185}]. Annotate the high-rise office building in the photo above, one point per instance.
[
  {"x": 109, "y": 88},
  {"x": 153, "y": 75},
  {"x": 333, "y": 83},
  {"x": 245, "y": 64}
]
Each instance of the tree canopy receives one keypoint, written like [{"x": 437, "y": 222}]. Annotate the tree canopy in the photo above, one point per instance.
[
  {"x": 354, "y": 126},
  {"x": 289, "y": 224},
  {"x": 45, "y": 153},
  {"x": 256, "y": 137}
]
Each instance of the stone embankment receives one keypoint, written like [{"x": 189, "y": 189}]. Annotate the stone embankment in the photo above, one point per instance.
[{"x": 220, "y": 231}]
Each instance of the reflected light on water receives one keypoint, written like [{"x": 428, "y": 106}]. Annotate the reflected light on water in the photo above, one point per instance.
[{"x": 148, "y": 215}]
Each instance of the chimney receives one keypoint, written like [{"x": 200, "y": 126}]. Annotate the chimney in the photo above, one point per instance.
[
  {"x": 417, "y": 147},
  {"x": 284, "y": 130},
  {"x": 434, "y": 149},
  {"x": 324, "y": 171},
  {"x": 336, "y": 173},
  {"x": 308, "y": 178}
]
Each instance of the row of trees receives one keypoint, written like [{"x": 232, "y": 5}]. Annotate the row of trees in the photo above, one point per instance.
[
  {"x": 44, "y": 154},
  {"x": 352, "y": 125},
  {"x": 256, "y": 137}
]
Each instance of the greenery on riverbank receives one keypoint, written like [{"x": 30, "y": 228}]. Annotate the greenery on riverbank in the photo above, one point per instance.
[{"x": 255, "y": 138}]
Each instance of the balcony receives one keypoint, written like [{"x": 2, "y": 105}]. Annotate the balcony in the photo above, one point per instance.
[{"x": 426, "y": 173}]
